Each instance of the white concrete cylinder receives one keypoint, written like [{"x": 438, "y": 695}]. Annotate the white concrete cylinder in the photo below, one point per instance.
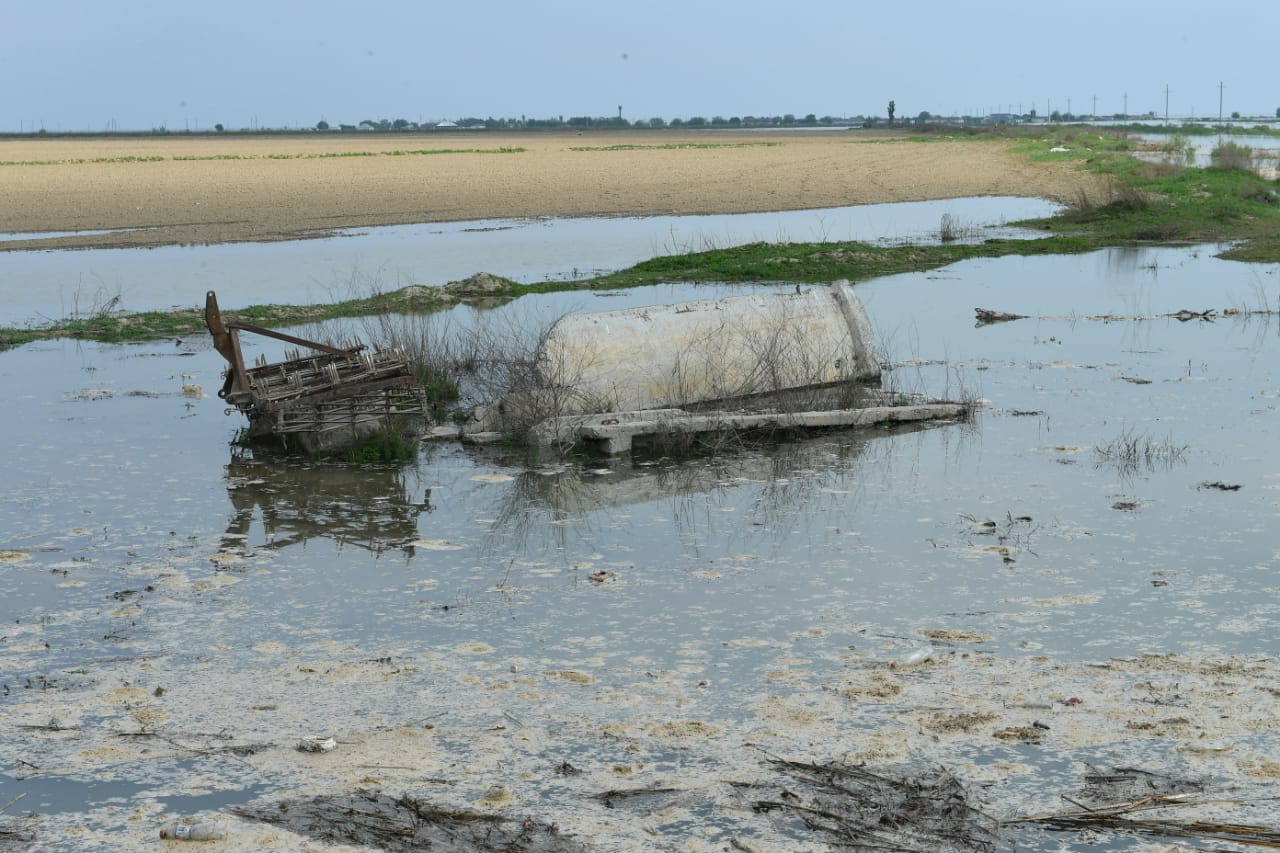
[{"x": 695, "y": 352}]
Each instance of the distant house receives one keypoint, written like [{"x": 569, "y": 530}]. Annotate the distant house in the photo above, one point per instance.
[{"x": 1002, "y": 118}]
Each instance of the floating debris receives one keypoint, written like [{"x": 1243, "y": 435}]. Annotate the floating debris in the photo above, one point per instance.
[
  {"x": 854, "y": 806},
  {"x": 317, "y": 743},
  {"x": 1110, "y": 798},
  {"x": 405, "y": 823},
  {"x": 986, "y": 316}
]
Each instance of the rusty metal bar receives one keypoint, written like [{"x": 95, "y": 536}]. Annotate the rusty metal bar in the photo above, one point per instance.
[
  {"x": 227, "y": 342},
  {"x": 330, "y": 391},
  {"x": 290, "y": 339}
]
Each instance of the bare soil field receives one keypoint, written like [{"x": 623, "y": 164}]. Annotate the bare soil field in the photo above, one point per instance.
[{"x": 154, "y": 191}]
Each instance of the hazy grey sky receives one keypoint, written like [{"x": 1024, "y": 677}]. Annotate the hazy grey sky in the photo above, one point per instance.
[{"x": 141, "y": 64}]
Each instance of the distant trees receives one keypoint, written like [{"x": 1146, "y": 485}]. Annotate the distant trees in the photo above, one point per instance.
[
  {"x": 611, "y": 121},
  {"x": 599, "y": 121},
  {"x": 386, "y": 124},
  {"x": 218, "y": 127}
]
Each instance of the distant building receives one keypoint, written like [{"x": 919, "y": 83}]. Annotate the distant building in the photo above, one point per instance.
[{"x": 1002, "y": 118}]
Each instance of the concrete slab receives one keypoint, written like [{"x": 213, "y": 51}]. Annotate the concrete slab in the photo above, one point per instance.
[{"x": 618, "y": 433}]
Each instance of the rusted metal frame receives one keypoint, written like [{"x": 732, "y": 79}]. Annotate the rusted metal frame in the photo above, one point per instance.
[
  {"x": 290, "y": 339},
  {"x": 226, "y": 340}
]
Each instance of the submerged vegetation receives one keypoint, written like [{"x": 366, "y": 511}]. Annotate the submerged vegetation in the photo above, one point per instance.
[{"x": 1141, "y": 201}]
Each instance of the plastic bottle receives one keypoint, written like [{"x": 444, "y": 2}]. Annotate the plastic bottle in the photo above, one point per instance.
[
  {"x": 917, "y": 656},
  {"x": 205, "y": 830}
]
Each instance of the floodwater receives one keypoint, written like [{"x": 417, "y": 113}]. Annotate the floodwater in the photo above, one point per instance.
[
  {"x": 1266, "y": 149},
  {"x": 39, "y": 286},
  {"x": 486, "y": 630}
]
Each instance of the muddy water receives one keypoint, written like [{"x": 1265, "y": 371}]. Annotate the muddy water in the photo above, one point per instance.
[{"x": 178, "y": 614}]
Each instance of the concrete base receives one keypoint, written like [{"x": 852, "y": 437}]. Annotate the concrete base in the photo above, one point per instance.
[
  {"x": 568, "y": 429},
  {"x": 618, "y": 433}
]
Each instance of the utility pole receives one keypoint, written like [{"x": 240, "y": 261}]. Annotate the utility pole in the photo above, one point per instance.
[
  {"x": 1219, "y": 102},
  {"x": 1094, "y": 114},
  {"x": 1166, "y": 104},
  {"x": 1126, "y": 106}
]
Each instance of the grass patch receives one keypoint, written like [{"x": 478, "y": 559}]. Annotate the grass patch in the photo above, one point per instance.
[
  {"x": 183, "y": 158},
  {"x": 385, "y": 445},
  {"x": 808, "y": 263},
  {"x": 1167, "y": 203},
  {"x": 676, "y": 146}
]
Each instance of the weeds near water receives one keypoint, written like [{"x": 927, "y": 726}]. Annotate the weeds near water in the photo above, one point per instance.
[
  {"x": 1132, "y": 452},
  {"x": 952, "y": 229},
  {"x": 1231, "y": 155},
  {"x": 947, "y": 232},
  {"x": 677, "y": 245},
  {"x": 386, "y": 445},
  {"x": 99, "y": 305},
  {"x": 1117, "y": 197},
  {"x": 482, "y": 363},
  {"x": 1178, "y": 150}
]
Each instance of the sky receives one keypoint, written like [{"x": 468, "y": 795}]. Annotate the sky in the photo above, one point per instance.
[{"x": 92, "y": 65}]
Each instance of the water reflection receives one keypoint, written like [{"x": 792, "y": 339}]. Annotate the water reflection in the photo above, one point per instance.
[
  {"x": 372, "y": 507},
  {"x": 768, "y": 492}
]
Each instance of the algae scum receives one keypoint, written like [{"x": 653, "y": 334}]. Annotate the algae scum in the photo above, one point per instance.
[{"x": 658, "y": 654}]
